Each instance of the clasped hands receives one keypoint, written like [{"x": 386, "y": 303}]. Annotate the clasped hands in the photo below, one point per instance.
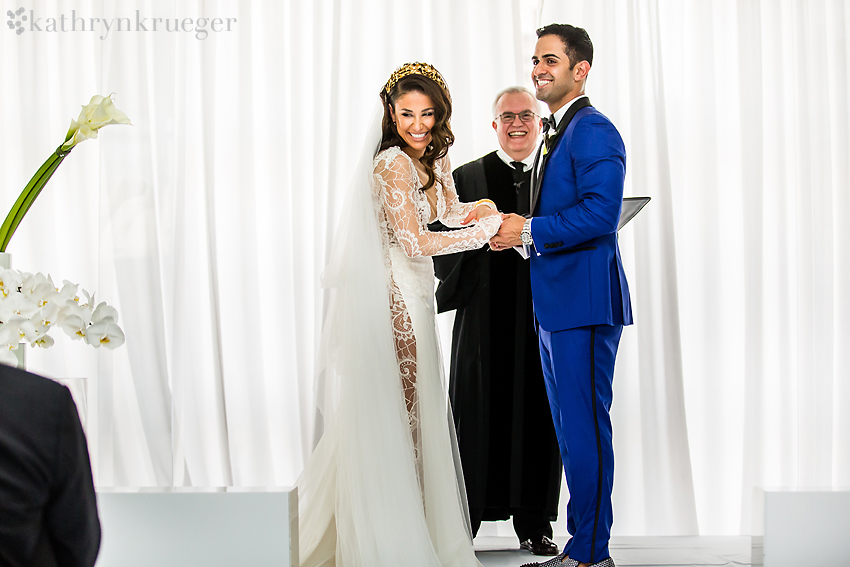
[{"x": 509, "y": 233}]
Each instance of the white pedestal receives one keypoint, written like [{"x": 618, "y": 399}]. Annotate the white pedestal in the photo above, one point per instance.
[
  {"x": 798, "y": 526},
  {"x": 209, "y": 527}
]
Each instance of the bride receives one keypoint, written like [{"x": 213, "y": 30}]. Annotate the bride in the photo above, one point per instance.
[{"x": 384, "y": 485}]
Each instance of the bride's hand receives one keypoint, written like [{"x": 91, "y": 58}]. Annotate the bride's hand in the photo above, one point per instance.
[
  {"x": 479, "y": 213},
  {"x": 490, "y": 224}
]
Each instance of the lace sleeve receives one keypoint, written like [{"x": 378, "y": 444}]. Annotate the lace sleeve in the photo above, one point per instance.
[
  {"x": 394, "y": 178},
  {"x": 455, "y": 210}
]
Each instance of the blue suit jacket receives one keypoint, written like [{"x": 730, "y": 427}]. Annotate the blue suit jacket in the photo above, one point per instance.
[{"x": 577, "y": 276}]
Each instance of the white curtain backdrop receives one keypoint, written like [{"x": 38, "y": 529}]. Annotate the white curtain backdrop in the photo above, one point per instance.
[{"x": 206, "y": 224}]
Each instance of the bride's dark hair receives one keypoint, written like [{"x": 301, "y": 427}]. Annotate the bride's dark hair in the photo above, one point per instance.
[{"x": 441, "y": 133}]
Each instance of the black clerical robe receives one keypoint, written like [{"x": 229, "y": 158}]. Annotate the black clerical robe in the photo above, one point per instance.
[{"x": 504, "y": 426}]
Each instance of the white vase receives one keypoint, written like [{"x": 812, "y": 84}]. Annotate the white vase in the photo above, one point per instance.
[
  {"x": 21, "y": 355},
  {"x": 5, "y": 260}
]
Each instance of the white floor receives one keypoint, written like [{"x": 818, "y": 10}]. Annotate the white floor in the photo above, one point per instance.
[{"x": 702, "y": 551}]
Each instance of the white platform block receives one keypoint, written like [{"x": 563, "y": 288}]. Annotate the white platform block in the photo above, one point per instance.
[
  {"x": 797, "y": 526},
  {"x": 209, "y": 527}
]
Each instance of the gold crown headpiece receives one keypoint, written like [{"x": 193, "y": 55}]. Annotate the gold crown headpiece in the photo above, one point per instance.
[{"x": 415, "y": 68}]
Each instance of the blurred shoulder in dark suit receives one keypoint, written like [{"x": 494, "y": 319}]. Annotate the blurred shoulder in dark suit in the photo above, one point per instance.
[{"x": 48, "y": 511}]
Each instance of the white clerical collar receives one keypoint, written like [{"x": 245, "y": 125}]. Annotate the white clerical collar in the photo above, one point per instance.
[
  {"x": 563, "y": 110},
  {"x": 529, "y": 161}
]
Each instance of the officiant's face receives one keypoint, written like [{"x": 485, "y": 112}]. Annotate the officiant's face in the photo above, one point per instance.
[
  {"x": 518, "y": 138},
  {"x": 554, "y": 81},
  {"x": 415, "y": 116}
]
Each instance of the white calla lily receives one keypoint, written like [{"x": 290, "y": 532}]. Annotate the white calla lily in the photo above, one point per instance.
[{"x": 99, "y": 112}]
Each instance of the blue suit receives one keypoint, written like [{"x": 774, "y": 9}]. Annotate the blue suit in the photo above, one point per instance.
[{"x": 581, "y": 302}]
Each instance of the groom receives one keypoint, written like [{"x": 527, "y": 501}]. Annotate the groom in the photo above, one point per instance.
[{"x": 581, "y": 298}]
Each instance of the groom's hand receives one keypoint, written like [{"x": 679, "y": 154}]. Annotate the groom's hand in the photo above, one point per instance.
[{"x": 508, "y": 234}]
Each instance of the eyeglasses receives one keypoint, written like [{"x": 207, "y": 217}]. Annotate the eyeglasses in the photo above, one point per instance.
[{"x": 526, "y": 116}]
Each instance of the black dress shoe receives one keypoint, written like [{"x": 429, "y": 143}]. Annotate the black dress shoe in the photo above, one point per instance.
[
  {"x": 563, "y": 561},
  {"x": 540, "y": 546}
]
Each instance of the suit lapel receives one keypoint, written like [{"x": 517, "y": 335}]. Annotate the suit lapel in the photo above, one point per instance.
[
  {"x": 534, "y": 178},
  {"x": 537, "y": 180}
]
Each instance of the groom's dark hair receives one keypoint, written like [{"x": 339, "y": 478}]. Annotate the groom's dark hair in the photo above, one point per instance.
[{"x": 577, "y": 44}]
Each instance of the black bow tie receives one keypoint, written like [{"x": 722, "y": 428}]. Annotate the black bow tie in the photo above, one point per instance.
[{"x": 548, "y": 122}]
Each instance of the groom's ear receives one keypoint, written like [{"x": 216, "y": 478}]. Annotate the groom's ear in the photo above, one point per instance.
[{"x": 580, "y": 70}]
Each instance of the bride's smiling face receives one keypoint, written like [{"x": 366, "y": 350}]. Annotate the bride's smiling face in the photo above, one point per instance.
[{"x": 414, "y": 115}]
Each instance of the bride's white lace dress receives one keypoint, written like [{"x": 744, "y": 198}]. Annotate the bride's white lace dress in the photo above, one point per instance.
[{"x": 384, "y": 486}]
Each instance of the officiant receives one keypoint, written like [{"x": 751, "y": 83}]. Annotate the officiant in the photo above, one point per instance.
[{"x": 511, "y": 462}]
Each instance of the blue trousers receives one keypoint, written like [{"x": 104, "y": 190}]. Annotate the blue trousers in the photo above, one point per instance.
[{"x": 578, "y": 366}]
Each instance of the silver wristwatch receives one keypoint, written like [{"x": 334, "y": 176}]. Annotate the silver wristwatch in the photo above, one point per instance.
[{"x": 525, "y": 235}]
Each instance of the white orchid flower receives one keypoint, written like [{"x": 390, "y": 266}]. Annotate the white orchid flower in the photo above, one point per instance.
[
  {"x": 99, "y": 112},
  {"x": 89, "y": 300},
  {"x": 68, "y": 291},
  {"x": 17, "y": 304},
  {"x": 9, "y": 341},
  {"x": 76, "y": 308},
  {"x": 74, "y": 319},
  {"x": 106, "y": 333},
  {"x": 103, "y": 311},
  {"x": 30, "y": 304},
  {"x": 37, "y": 288},
  {"x": 45, "y": 317},
  {"x": 20, "y": 329},
  {"x": 10, "y": 281},
  {"x": 43, "y": 341},
  {"x": 74, "y": 326},
  {"x": 7, "y": 356},
  {"x": 71, "y": 307},
  {"x": 8, "y": 345},
  {"x": 60, "y": 296}
]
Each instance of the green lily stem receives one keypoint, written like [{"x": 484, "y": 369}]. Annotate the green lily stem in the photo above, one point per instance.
[
  {"x": 29, "y": 195},
  {"x": 33, "y": 194},
  {"x": 28, "y": 200}
]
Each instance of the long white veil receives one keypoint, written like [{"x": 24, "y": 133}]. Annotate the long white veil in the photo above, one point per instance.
[{"x": 354, "y": 275}]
